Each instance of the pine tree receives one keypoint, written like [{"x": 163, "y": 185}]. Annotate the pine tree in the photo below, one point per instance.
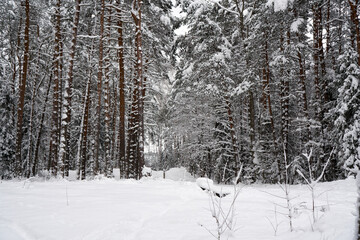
[
  {"x": 121, "y": 134},
  {"x": 135, "y": 156},
  {"x": 53, "y": 165},
  {"x": 64, "y": 152},
  {"x": 21, "y": 103}
]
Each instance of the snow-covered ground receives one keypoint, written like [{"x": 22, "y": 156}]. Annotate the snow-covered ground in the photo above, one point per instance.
[{"x": 157, "y": 209}]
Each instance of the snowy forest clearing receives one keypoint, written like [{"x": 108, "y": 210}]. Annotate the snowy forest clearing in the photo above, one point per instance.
[{"x": 157, "y": 209}]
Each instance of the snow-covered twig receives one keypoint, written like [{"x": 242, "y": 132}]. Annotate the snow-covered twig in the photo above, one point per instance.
[
  {"x": 311, "y": 183},
  {"x": 224, "y": 219},
  {"x": 277, "y": 224}
]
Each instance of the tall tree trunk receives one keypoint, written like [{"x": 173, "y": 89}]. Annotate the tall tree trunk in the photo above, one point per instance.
[
  {"x": 22, "y": 87},
  {"x": 99, "y": 88},
  {"x": 121, "y": 135},
  {"x": 108, "y": 171},
  {"x": 64, "y": 152},
  {"x": 54, "y": 142},
  {"x": 135, "y": 140},
  {"x": 285, "y": 96},
  {"x": 114, "y": 122}
]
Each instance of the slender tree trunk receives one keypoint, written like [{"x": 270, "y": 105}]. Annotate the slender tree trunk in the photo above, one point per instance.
[
  {"x": 114, "y": 122},
  {"x": 252, "y": 123},
  {"x": 22, "y": 87},
  {"x": 38, "y": 138},
  {"x": 135, "y": 139},
  {"x": 234, "y": 141},
  {"x": 82, "y": 142},
  {"x": 54, "y": 142},
  {"x": 139, "y": 68},
  {"x": 285, "y": 92},
  {"x": 142, "y": 119},
  {"x": 132, "y": 144},
  {"x": 108, "y": 165},
  {"x": 64, "y": 152},
  {"x": 121, "y": 135},
  {"x": 99, "y": 88}
]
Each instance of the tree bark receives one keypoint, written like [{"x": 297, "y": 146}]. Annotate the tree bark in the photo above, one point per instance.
[
  {"x": 54, "y": 142},
  {"x": 22, "y": 87},
  {"x": 285, "y": 96},
  {"x": 108, "y": 165},
  {"x": 99, "y": 88},
  {"x": 64, "y": 153},
  {"x": 135, "y": 140},
  {"x": 121, "y": 135},
  {"x": 82, "y": 142}
]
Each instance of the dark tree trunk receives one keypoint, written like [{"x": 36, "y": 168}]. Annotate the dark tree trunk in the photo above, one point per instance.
[
  {"x": 54, "y": 142},
  {"x": 107, "y": 145},
  {"x": 99, "y": 89},
  {"x": 121, "y": 135},
  {"x": 135, "y": 137},
  {"x": 22, "y": 87}
]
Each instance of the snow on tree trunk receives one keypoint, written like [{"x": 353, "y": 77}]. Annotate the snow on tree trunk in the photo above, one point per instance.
[
  {"x": 20, "y": 110},
  {"x": 135, "y": 156},
  {"x": 99, "y": 90},
  {"x": 121, "y": 135},
  {"x": 53, "y": 164},
  {"x": 64, "y": 152}
]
